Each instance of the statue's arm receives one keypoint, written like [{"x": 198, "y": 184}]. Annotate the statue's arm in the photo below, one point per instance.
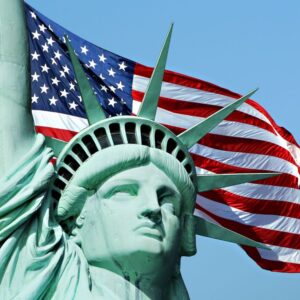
[{"x": 17, "y": 133}]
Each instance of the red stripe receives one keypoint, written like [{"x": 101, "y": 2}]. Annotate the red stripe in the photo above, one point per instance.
[
  {"x": 251, "y": 205},
  {"x": 243, "y": 145},
  {"x": 281, "y": 130},
  {"x": 61, "y": 134},
  {"x": 184, "y": 80},
  {"x": 204, "y": 111},
  {"x": 275, "y": 266},
  {"x": 191, "y": 82},
  {"x": 218, "y": 167},
  {"x": 262, "y": 235}
]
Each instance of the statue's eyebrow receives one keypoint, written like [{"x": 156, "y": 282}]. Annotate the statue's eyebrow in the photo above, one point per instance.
[{"x": 126, "y": 185}]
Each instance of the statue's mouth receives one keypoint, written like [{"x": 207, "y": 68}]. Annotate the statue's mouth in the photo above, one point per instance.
[{"x": 150, "y": 229}]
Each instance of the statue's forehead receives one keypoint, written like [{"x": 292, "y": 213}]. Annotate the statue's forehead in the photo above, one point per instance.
[{"x": 148, "y": 174}]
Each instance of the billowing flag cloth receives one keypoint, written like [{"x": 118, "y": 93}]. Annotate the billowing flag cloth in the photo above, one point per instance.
[{"x": 248, "y": 140}]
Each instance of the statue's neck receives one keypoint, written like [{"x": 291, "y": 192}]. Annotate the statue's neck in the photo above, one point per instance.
[{"x": 115, "y": 286}]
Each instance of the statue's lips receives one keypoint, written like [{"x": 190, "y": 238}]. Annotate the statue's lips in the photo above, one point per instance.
[{"x": 150, "y": 229}]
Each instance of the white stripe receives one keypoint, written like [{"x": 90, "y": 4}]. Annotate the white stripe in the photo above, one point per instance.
[
  {"x": 281, "y": 254},
  {"x": 272, "y": 222},
  {"x": 266, "y": 192},
  {"x": 226, "y": 128},
  {"x": 203, "y": 215},
  {"x": 57, "y": 120},
  {"x": 247, "y": 160},
  {"x": 179, "y": 92},
  {"x": 262, "y": 191},
  {"x": 295, "y": 152}
]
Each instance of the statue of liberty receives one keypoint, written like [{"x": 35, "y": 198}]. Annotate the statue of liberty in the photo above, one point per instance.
[{"x": 114, "y": 217}]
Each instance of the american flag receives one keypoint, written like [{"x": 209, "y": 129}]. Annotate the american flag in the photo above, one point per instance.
[{"x": 249, "y": 140}]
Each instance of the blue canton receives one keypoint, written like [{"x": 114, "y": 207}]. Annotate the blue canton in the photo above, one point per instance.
[{"x": 53, "y": 83}]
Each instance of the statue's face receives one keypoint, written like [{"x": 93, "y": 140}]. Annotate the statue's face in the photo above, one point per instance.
[{"x": 133, "y": 221}]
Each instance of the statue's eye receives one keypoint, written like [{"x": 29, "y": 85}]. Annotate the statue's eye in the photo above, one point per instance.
[
  {"x": 123, "y": 191},
  {"x": 167, "y": 202}
]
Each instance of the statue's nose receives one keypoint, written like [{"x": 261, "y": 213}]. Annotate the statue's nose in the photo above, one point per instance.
[
  {"x": 153, "y": 215},
  {"x": 150, "y": 208}
]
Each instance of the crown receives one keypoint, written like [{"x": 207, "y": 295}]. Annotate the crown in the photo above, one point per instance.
[{"x": 104, "y": 132}]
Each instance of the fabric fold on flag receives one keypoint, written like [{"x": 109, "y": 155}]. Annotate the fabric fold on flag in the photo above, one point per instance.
[{"x": 249, "y": 140}]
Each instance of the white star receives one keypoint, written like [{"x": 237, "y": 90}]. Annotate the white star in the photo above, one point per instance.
[
  {"x": 80, "y": 98},
  {"x": 102, "y": 58},
  {"x": 92, "y": 64},
  {"x": 34, "y": 99},
  {"x": 43, "y": 28},
  {"x": 45, "y": 47},
  {"x": 53, "y": 101},
  {"x": 64, "y": 93},
  {"x": 35, "y": 77},
  {"x": 84, "y": 50},
  {"x": 112, "y": 88},
  {"x": 102, "y": 77},
  {"x": 111, "y": 72},
  {"x": 68, "y": 38},
  {"x": 53, "y": 61},
  {"x": 73, "y": 105},
  {"x": 62, "y": 74},
  {"x": 72, "y": 86},
  {"x": 120, "y": 86},
  {"x": 33, "y": 15},
  {"x": 50, "y": 41},
  {"x": 35, "y": 56},
  {"x": 57, "y": 54},
  {"x": 50, "y": 28},
  {"x": 44, "y": 89},
  {"x": 66, "y": 69},
  {"x": 45, "y": 68},
  {"x": 122, "y": 101},
  {"x": 104, "y": 88},
  {"x": 36, "y": 35},
  {"x": 55, "y": 81},
  {"x": 122, "y": 66},
  {"x": 112, "y": 102}
]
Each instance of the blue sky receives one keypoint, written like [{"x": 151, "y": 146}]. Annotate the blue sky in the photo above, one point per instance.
[{"x": 239, "y": 45}]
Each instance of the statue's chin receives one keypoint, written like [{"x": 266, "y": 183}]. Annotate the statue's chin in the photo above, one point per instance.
[{"x": 148, "y": 260}]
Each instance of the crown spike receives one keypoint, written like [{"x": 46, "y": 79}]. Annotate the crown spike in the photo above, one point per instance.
[
  {"x": 149, "y": 104},
  {"x": 211, "y": 230},
  {"x": 93, "y": 109},
  {"x": 209, "y": 182},
  {"x": 191, "y": 136}
]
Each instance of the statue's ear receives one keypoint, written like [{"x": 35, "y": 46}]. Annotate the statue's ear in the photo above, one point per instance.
[
  {"x": 188, "y": 236},
  {"x": 76, "y": 237},
  {"x": 75, "y": 234}
]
